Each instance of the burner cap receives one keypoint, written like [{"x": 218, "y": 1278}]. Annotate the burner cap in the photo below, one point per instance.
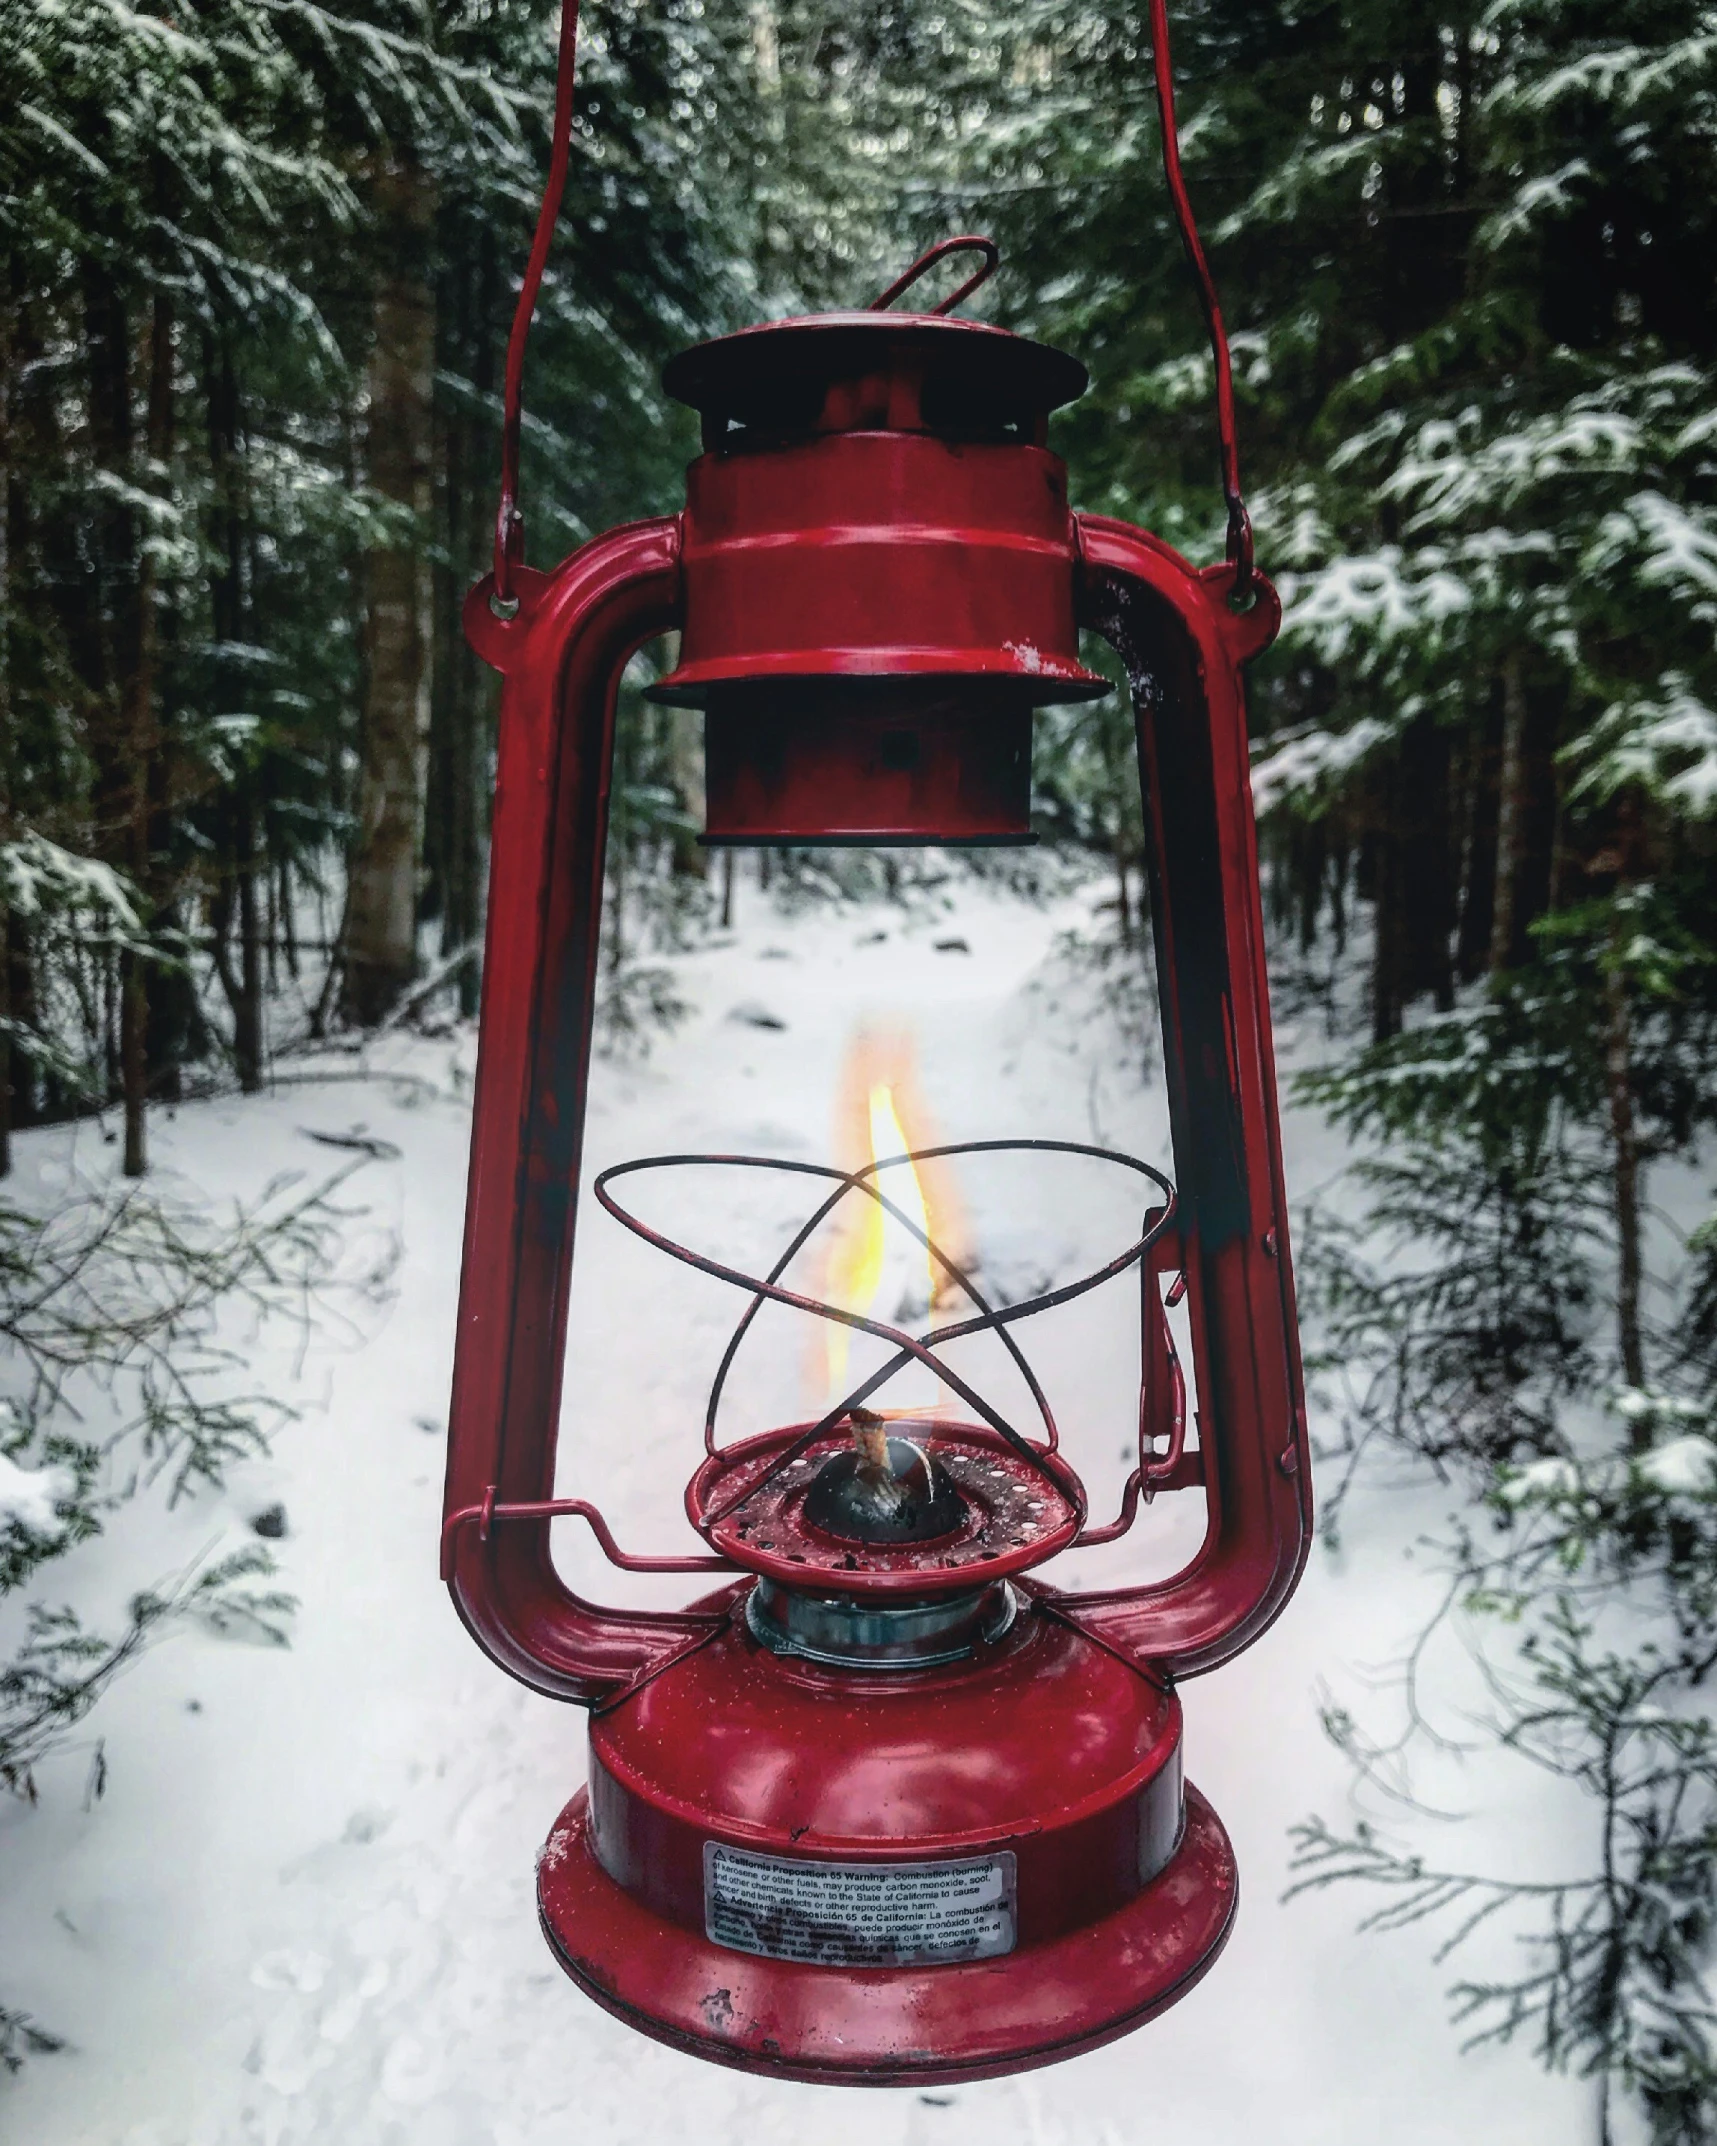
[{"x": 883, "y": 1490}]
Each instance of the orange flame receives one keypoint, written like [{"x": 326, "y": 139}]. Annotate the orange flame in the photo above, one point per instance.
[{"x": 877, "y": 1266}]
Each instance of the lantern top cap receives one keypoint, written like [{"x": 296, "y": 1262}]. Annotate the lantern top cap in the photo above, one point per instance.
[{"x": 761, "y": 374}]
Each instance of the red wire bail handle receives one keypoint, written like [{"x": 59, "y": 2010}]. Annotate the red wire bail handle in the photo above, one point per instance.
[
  {"x": 509, "y": 520},
  {"x": 1239, "y": 521},
  {"x": 968, "y": 242}
]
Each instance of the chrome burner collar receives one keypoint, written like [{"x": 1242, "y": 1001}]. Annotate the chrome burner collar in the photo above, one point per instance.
[{"x": 843, "y": 1633}]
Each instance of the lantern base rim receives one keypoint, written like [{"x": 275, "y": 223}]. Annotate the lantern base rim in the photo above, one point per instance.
[{"x": 899, "y": 2026}]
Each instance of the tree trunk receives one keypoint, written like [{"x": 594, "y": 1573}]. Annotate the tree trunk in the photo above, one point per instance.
[
  {"x": 461, "y": 784},
  {"x": 380, "y": 950},
  {"x": 288, "y": 921},
  {"x": 1427, "y": 864},
  {"x": 122, "y": 697},
  {"x": 1388, "y": 995},
  {"x": 1624, "y": 1131},
  {"x": 22, "y": 1099},
  {"x": 1479, "y": 880},
  {"x": 5, "y": 1045},
  {"x": 684, "y": 739},
  {"x": 1527, "y": 812},
  {"x": 234, "y": 901},
  {"x": 1535, "y": 890},
  {"x": 247, "y": 1007},
  {"x": 1510, "y": 812},
  {"x": 1308, "y": 855},
  {"x": 8, "y": 461},
  {"x": 1386, "y": 1002},
  {"x": 229, "y": 606},
  {"x": 1624, "y": 1168},
  {"x": 141, "y": 746}
]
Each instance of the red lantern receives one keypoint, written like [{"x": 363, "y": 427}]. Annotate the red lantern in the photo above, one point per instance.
[{"x": 881, "y": 1808}]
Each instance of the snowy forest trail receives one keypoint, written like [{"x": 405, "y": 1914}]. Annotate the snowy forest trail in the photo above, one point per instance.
[{"x": 303, "y": 1912}]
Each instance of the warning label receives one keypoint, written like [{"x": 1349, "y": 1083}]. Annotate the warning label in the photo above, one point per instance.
[{"x": 859, "y": 1914}]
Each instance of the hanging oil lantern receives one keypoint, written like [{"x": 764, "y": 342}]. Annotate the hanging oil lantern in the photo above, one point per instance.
[{"x": 881, "y": 1807}]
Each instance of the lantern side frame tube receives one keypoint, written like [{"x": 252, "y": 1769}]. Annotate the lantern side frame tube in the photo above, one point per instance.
[
  {"x": 1183, "y": 648},
  {"x": 561, "y": 657}
]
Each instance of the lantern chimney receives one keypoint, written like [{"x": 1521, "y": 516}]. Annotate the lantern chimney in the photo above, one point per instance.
[{"x": 878, "y": 564}]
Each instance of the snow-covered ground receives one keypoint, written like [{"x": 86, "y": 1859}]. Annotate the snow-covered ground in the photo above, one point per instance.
[{"x": 303, "y": 1909}]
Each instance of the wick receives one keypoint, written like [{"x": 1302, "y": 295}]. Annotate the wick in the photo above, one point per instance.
[{"x": 870, "y": 1436}]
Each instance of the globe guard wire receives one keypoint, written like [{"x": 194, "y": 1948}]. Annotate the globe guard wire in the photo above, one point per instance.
[
  {"x": 907, "y": 1347},
  {"x": 989, "y": 1319},
  {"x": 860, "y": 1180}
]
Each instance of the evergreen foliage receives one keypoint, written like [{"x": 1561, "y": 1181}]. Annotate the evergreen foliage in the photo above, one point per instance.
[
  {"x": 259, "y": 268},
  {"x": 120, "y": 1377}
]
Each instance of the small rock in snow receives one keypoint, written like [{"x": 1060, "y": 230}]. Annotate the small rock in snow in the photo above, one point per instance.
[
  {"x": 270, "y": 1522},
  {"x": 952, "y": 946},
  {"x": 755, "y": 1016}
]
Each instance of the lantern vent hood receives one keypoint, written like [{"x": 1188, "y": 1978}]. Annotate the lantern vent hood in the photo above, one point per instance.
[
  {"x": 842, "y": 372},
  {"x": 879, "y": 567}
]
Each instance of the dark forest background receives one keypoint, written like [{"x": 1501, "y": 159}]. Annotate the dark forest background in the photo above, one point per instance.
[{"x": 257, "y": 268}]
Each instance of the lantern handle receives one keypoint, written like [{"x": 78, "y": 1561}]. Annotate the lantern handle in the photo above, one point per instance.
[
  {"x": 969, "y": 242},
  {"x": 509, "y": 518},
  {"x": 1239, "y": 521}
]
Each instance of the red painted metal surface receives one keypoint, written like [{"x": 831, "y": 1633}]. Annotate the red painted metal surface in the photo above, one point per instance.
[
  {"x": 509, "y": 517},
  {"x": 562, "y": 655},
  {"x": 872, "y": 761},
  {"x": 1239, "y": 521},
  {"x": 876, "y": 577},
  {"x": 970, "y": 242},
  {"x": 1183, "y": 647},
  {"x": 879, "y": 586},
  {"x": 764, "y": 1752},
  {"x": 1019, "y": 1511},
  {"x": 1123, "y": 1884},
  {"x": 890, "y": 2026},
  {"x": 861, "y": 553}
]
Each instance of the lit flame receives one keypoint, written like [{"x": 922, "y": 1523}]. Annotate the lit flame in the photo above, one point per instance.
[{"x": 878, "y": 1266}]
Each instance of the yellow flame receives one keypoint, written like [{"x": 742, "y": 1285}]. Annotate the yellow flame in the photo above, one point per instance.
[{"x": 877, "y": 1264}]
